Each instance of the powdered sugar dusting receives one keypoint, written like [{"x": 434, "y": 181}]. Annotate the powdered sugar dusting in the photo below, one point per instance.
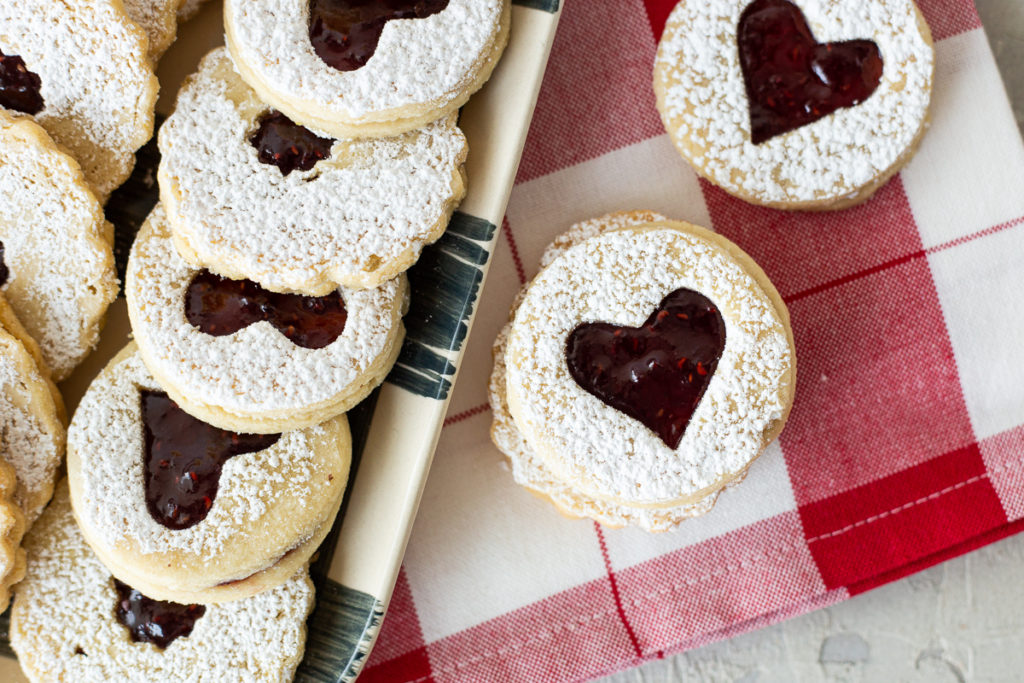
[
  {"x": 97, "y": 84},
  {"x": 61, "y": 265},
  {"x": 704, "y": 103},
  {"x": 355, "y": 219},
  {"x": 107, "y": 435},
  {"x": 418, "y": 61},
  {"x": 620, "y": 277},
  {"x": 158, "y": 18},
  {"x": 63, "y": 621},
  {"x": 257, "y": 369}
]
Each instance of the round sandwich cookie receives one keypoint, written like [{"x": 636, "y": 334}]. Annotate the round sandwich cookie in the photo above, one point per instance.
[
  {"x": 188, "y": 9},
  {"x": 31, "y": 425},
  {"x": 366, "y": 68},
  {"x": 82, "y": 69},
  {"x": 56, "y": 255},
  {"x": 75, "y": 623},
  {"x": 12, "y": 529},
  {"x": 184, "y": 511},
  {"x": 796, "y": 104},
  {"x": 251, "y": 195},
  {"x": 158, "y": 19},
  {"x": 644, "y": 369},
  {"x": 242, "y": 358}
]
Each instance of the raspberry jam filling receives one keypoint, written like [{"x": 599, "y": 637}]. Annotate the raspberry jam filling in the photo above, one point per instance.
[
  {"x": 655, "y": 373},
  {"x": 283, "y": 143},
  {"x": 184, "y": 457},
  {"x": 154, "y": 621},
  {"x": 791, "y": 79},
  {"x": 19, "y": 87},
  {"x": 344, "y": 33},
  {"x": 219, "y": 306},
  {"x": 5, "y": 274}
]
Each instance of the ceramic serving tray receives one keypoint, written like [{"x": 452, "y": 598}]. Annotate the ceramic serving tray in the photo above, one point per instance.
[{"x": 396, "y": 429}]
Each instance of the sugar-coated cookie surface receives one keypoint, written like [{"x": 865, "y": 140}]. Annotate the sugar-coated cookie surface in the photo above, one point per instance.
[
  {"x": 12, "y": 529},
  {"x": 58, "y": 262},
  {"x": 357, "y": 218},
  {"x": 267, "y": 513},
  {"x": 159, "y": 19},
  {"x": 422, "y": 68},
  {"x": 832, "y": 162},
  {"x": 97, "y": 85},
  {"x": 587, "y": 456},
  {"x": 64, "y": 624},
  {"x": 255, "y": 379},
  {"x": 33, "y": 435}
]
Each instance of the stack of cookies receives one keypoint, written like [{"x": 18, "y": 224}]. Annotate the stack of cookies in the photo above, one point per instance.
[{"x": 302, "y": 172}]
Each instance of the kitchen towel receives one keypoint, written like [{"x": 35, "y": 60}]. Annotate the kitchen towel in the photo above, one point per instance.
[{"x": 906, "y": 443}]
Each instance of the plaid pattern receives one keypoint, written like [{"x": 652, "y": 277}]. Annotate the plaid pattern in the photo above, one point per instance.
[{"x": 906, "y": 445}]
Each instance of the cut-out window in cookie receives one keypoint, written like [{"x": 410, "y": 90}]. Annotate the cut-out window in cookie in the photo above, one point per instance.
[
  {"x": 793, "y": 80},
  {"x": 19, "y": 87},
  {"x": 219, "y": 306},
  {"x": 345, "y": 33},
  {"x": 183, "y": 460},
  {"x": 283, "y": 143},
  {"x": 154, "y": 621},
  {"x": 656, "y": 373}
]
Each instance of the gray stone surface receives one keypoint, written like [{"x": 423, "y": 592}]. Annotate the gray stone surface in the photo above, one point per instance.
[{"x": 962, "y": 621}]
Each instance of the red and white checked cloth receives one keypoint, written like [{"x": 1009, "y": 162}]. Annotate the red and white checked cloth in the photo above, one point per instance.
[{"x": 906, "y": 444}]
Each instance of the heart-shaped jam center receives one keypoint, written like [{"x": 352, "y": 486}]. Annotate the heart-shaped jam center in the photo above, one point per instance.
[
  {"x": 219, "y": 306},
  {"x": 19, "y": 87},
  {"x": 344, "y": 33},
  {"x": 283, "y": 143},
  {"x": 183, "y": 460},
  {"x": 154, "y": 621},
  {"x": 791, "y": 79},
  {"x": 655, "y": 373}
]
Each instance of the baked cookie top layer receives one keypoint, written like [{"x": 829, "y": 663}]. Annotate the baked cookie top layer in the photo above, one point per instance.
[
  {"x": 704, "y": 104},
  {"x": 58, "y": 263},
  {"x": 12, "y": 529},
  {"x": 255, "y": 377},
  {"x": 268, "y": 500},
  {"x": 421, "y": 67},
  {"x": 64, "y": 623},
  {"x": 357, "y": 218},
  {"x": 97, "y": 85},
  {"x": 159, "y": 20},
  {"x": 619, "y": 277}
]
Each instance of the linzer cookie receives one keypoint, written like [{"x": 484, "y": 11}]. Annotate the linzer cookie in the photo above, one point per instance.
[
  {"x": 33, "y": 434},
  {"x": 56, "y": 259},
  {"x": 12, "y": 529},
  {"x": 158, "y": 19},
  {"x": 73, "y": 622},
  {"x": 367, "y": 68},
  {"x": 82, "y": 70},
  {"x": 251, "y": 195},
  {"x": 244, "y": 358},
  {"x": 188, "y": 512},
  {"x": 796, "y": 104},
  {"x": 644, "y": 369}
]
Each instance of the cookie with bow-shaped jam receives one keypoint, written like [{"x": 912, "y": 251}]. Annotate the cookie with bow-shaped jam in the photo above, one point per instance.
[
  {"x": 82, "y": 69},
  {"x": 366, "y": 68},
  {"x": 73, "y": 621},
  {"x": 644, "y": 369},
  {"x": 796, "y": 104},
  {"x": 56, "y": 255},
  {"x": 185, "y": 511},
  {"x": 251, "y": 195},
  {"x": 245, "y": 358}
]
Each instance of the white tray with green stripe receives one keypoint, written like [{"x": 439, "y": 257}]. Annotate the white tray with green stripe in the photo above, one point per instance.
[{"x": 396, "y": 429}]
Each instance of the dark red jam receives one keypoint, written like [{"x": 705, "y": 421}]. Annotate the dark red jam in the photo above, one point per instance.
[
  {"x": 219, "y": 306},
  {"x": 344, "y": 33},
  {"x": 4, "y": 272},
  {"x": 183, "y": 459},
  {"x": 19, "y": 87},
  {"x": 154, "y": 621},
  {"x": 791, "y": 79},
  {"x": 287, "y": 145},
  {"x": 655, "y": 373}
]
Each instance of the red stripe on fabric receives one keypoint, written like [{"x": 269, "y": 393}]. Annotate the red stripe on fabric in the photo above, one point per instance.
[
  {"x": 615, "y": 589},
  {"x": 400, "y": 652},
  {"x": 408, "y": 667},
  {"x": 901, "y": 519},
  {"x": 466, "y": 414},
  {"x": 977, "y": 235},
  {"x": 506, "y": 229},
  {"x": 657, "y": 14},
  {"x": 948, "y": 18}
]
